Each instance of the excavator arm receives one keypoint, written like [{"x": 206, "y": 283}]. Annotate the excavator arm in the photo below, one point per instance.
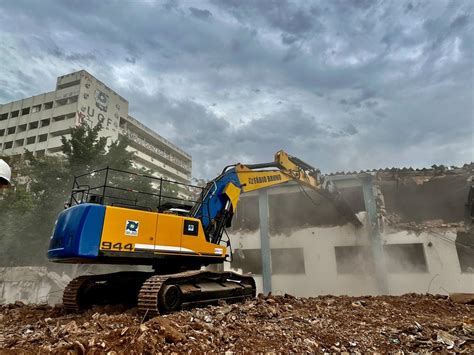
[{"x": 219, "y": 200}]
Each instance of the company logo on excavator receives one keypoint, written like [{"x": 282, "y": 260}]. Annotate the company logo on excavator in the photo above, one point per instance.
[
  {"x": 131, "y": 228},
  {"x": 264, "y": 179}
]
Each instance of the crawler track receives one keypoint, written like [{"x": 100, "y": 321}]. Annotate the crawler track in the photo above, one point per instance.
[
  {"x": 85, "y": 291},
  {"x": 157, "y": 294},
  {"x": 161, "y": 294},
  {"x": 72, "y": 293}
]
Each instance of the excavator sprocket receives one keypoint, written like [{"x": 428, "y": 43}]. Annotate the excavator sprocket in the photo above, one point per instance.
[{"x": 161, "y": 294}]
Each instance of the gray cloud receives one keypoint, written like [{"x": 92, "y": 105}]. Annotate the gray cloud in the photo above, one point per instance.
[
  {"x": 202, "y": 14},
  {"x": 344, "y": 85}
]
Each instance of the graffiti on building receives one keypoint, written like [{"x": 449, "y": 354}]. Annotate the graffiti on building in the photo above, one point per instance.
[{"x": 101, "y": 100}]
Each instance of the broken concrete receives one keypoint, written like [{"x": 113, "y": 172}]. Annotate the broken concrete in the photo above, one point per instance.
[
  {"x": 31, "y": 285},
  {"x": 409, "y": 323}
]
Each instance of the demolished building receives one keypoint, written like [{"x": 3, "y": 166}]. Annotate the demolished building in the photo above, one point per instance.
[{"x": 415, "y": 237}]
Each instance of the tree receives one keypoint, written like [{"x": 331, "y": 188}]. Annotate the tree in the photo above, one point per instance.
[
  {"x": 84, "y": 148},
  {"x": 29, "y": 209}
]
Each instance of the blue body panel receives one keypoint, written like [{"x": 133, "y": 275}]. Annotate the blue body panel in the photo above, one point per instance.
[
  {"x": 215, "y": 201},
  {"x": 77, "y": 233}
]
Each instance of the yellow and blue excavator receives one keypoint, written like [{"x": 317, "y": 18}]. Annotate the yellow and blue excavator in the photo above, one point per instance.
[{"x": 177, "y": 242}]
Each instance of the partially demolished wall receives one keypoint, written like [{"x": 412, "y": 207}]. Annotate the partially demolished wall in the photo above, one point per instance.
[
  {"x": 426, "y": 245},
  {"x": 31, "y": 285}
]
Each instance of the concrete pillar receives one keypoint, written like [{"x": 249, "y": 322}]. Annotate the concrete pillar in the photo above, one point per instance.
[
  {"x": 265, "y": 241},
  {"x": 374, "y": 234}
]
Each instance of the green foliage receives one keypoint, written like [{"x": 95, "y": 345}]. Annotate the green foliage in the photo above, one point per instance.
[
  {"x": 42, "y": 186},
  {"x": 84, "y": 147}
]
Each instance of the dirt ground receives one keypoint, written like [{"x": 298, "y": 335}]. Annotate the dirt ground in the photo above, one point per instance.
[{"x": 414, "y": 323}]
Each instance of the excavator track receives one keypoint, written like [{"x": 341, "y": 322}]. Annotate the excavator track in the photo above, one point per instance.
[
  {"x": 161, "y": 294},
  {"x": 157, "y": 294},
  {"x": 118, "y": 288},
  {"x": 71, "y": 293}
]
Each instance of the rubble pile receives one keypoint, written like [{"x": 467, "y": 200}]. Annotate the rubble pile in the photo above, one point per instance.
[
  {"x": 275, "y": 323},
  {"x": 420, "y": 227}
]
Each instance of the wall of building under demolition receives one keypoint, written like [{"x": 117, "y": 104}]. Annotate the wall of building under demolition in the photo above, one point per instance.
[
  {"x": 315, "y": 251},
  {"x": 337, "y": 260}
]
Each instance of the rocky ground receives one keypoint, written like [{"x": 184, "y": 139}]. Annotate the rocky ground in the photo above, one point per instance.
[{"x": 414, "y": 323}]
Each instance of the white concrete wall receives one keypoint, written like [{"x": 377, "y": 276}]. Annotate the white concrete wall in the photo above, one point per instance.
[
  {"x": 321, "y": 276},
  {"x": 444, "y": 272},
  {"x": 31, "y": 285}
]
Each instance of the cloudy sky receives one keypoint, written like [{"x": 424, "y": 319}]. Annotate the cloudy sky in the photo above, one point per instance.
[{"x": 344, "y": 85}]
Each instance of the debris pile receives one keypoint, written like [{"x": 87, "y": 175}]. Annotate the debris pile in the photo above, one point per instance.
[
  {"x": 393, "y": 222},
  {"x": 275, "y": 323}
]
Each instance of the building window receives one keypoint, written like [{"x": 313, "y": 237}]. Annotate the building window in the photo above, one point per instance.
[
  {"x": 22, "y": 128},
  {"x": 284, "y": 261},
  {"x": 33, "y": 125},
  {"x": 45, "y": 122},
  {"x": 30, "y": 140},
  {"x": 72, "y": 100},
  {"x": 19, "y": 143},
  {"x": 48, "y": 105},
  {"x": 123, "y": 123},
  {"x": 59, "y": 118},
  {"x": 405, "y": 258},
  {"x": 2, "y": 132},
  {"x": 3, "y": 116},
  {"x": 43, "y": 138},
  {"x": 465, "y": 249},
  {"x": 11, "y": 130},
  {"x": 8, "y": 145},
  {"x": 15, "y": 114},
  {"x": 36, "y": 108},
  {"x": 354, "y": 259},
  {"x": 25, "y": 111},
  {"x": 67, "y": 85},
  {"x": 40, "y": 153},
  {"x": 61, "y": 102}
]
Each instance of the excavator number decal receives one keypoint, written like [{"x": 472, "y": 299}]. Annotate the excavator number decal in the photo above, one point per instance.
[{"x": 117, "y": 246}]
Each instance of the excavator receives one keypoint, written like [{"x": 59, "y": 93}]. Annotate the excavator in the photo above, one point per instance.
[{"x": 177, "y": 241}]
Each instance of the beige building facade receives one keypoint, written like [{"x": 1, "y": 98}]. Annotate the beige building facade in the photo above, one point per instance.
[{"x": 37, "y": 124}]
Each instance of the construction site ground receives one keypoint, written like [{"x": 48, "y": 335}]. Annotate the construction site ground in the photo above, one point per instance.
[{"x": 412, "y": 322}]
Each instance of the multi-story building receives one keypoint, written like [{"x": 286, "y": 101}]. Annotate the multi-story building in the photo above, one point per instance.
[{"x": 37, "y": 124}]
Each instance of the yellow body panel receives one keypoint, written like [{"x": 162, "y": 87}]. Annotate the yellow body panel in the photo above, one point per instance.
[
  {"x": 199, "y": 243},
  {"x": 129, "y": 230},
  {"x": 169, "y": 231},
  {"x": 115, "y": 229}
]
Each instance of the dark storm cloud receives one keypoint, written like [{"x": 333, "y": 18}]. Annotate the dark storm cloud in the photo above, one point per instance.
[
  {"x": 346, "y": 85},
  {"x": 202, "y": 14}
]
